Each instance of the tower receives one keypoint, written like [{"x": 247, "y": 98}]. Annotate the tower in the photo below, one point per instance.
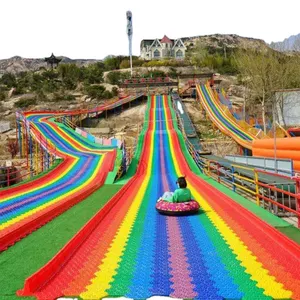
[{"x": 129, "y": 33}]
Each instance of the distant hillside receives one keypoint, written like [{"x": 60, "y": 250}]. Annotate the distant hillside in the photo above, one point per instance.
[
  {"x": 290, "y": 44},
  {"x": 230, "y": 41},
  {"x": 18, "y": 64}
]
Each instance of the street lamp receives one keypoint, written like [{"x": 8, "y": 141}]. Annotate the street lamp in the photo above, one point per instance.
[
  {"x": 129, "y": 34},
  {"x": 274, "y": 129}
]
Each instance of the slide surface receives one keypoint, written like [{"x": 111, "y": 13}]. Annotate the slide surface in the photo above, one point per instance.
[
  {"x": 84, "y": 168},
  {"x": 222, "y": 120},
  {"x": 224, "y": 252}
]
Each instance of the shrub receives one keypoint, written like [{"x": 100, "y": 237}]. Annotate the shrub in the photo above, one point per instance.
[
  {"x": 95, "y": 91},
  {"x": 107, "y": 95},
  {"x": 9, "y": 80},
  {"x": 62, "y": 96},
  {"x": 93, "y": 73},
  {"x": 117, "y": 77},
  {"x": 125, "y": 64},
  {"x": 2, "y": 96},
  {"x": 115, "y": 91},
  {"x": 25, "y": 102},
  {"x": 41, "y": 97},
  {"x": 12, "y": 147}
]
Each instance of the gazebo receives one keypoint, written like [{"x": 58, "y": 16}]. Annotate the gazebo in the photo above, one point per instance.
[{"x": 53, "y": 60}]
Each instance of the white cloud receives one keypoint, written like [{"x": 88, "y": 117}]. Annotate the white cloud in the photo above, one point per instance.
[{"x": 96, "y": 28}]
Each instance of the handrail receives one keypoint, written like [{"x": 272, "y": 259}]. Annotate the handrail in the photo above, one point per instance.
[{"x": 232, "y": 177}]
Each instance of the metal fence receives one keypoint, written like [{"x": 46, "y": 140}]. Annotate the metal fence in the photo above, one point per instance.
[{"x": 281, "y": 198}]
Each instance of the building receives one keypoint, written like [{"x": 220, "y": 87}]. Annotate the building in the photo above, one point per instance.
[
  {"x": 164, "y": 48},
  {"x": 288, "y": 107}
]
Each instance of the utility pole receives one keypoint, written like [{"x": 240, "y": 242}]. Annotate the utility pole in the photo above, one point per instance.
[
  {"x": 244, "y": 107},
  {"x": 129, "y": 34},
  {"x": 274, "y": 131}
]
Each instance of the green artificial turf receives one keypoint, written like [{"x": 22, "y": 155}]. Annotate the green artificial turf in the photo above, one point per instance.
[{"x": 31, "y": 253}]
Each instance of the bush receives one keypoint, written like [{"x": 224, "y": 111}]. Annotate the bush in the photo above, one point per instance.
[
  {"x": 107, "y": 95},
  {"x": 117, "y": 77},
  {"x": 62, "y": 96},
  {"x": 70, "y": 75},
  {"x": 41, "y": 97},
  {"x": 125, "y": 64},
  {"x": 95, "y": 91},
  {"x": 155, "y": 73},
  {"x": 2, "y": 96},
  {"x": 25, "y": 102},
  {"x": 50, "y": 86},
  {"x": 114, "y": 91},
  {"x": 9, "y": 80},
  {"x": 93, "y": 73}
]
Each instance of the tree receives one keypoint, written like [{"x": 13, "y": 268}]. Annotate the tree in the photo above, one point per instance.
[
  {"x": 93, "y": 73},
  {"x": 197, "y": 54},
  {"x": 9, "y": 80},
  {"x": 12, "y": 147},
  {"x": 70, "y": 75},
  {"x": 257, "y": 69},
  {"x": 266, "y": 72}
]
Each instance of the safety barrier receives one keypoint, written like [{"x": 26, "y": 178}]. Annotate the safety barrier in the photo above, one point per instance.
[
  {"x": 13, "y": 175},
  {"x": 39, "y": 152},
  {"x": 278, "y": 198},
  {"x": 279, "y": 201}
]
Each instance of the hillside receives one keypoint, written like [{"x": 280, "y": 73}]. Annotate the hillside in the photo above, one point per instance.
[
  {"x": 19, "y": 64},
  {"x": 289, "y": 44},
  {"x": 230, "y": 41}
]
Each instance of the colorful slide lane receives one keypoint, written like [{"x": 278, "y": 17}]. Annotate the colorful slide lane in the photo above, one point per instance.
[
  {"x": 221, "y": 120},
  {"x": 128, "y": 249},
  {"x": 84, "y": 169}
]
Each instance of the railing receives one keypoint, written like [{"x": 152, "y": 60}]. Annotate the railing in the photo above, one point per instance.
[
  {"x": 278, "y": 198},
  {"x": 39, "y": 152},
  {"x": 279, "y": 201},
  {"x": 12, "y": 175}
]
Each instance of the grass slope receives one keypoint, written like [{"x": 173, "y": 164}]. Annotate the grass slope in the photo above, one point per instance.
[{"x": 31, "y": 253}]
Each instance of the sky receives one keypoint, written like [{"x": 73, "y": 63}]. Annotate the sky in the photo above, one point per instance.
[{"x": 97, "y": 28}]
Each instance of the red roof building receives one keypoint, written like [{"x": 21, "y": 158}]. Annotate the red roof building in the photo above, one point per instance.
[
  {"x": 166, "y": 40},
  {"x": 164, "y": 48}
]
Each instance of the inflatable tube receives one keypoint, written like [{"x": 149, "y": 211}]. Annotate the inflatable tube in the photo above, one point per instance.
[{"x": 177, "y": 209}]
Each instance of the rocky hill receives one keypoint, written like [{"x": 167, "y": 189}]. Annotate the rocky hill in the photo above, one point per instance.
[
  {"x": 230, "y": 41},
  {"x": 290, "y": 44},
  {"x": 18, "y": 64}
]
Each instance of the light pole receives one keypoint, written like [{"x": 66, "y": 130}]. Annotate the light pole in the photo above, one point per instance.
[
  {"x": 244, "y": 107},
  {"x": 274, "y": 130},
  {"x": 129, "y": 34}
]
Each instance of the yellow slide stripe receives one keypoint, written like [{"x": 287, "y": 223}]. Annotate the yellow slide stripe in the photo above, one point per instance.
[
  {"x": 108, "y": 267},
  {"x": 46, "y": 184},
  {"x": 41, "y": 207},
  {"x": 248, "y": 260}
]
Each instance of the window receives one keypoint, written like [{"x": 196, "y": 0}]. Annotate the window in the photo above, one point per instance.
[
  {"x": 156, "y": 53},
  {"x": 179, "y": 54}
]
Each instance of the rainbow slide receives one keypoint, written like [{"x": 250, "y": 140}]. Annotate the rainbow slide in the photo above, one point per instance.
[
  {"x": 225, "y": 122},
  {"x": 83, "y": 169},
  {"x": 128, "y": 249},
  {"x": 262, "y": 146}
]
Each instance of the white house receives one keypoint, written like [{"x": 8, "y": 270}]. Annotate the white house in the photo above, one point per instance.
[{"x": 164, "y": 48}]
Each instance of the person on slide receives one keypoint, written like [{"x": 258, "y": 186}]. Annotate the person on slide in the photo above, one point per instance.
[{"x": 182, "y": 194}]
